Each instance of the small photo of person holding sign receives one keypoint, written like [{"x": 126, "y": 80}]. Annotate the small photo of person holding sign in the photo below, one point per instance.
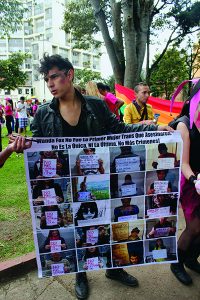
[
  {"x": 127, "y": 159},
  {"x": 160, "y": 250},
  {"x": 89, "y": 161},
  {"x": 162, "y": 181},
  {"x": 161, "y": 205},
  {"x": 127, "y": 185},
  {"x": 51, "y": 191},
  {"x": 162, "y": 227},
  {"x": 92, "y": 235},
  {"x": 163, "y": 156},
  {"x": 94, "y": 258},
  {"x": 53, "y": 216},
  {"x": 58, "y": 263},
  {"x": 89, "y": 188},
  {"x": 48, "y": 164},
  {"x": 56, "y": 240},
  {"x": 127, "y": 231},
  {"x": 127, "y": 209}
]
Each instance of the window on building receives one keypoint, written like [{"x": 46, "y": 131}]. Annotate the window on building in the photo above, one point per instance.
[
  {"x": 39, "y": 7},
  {"x": 54, "y": 50},
  {"x": 15, "y": 45},
  {"x": 28, "y": 13},
  {"x": 29, "y": 78},
  {"x": 39, "y": 25},
  {"x": 28, "y": 63},
  {"x": 3, "y": 46},
  {"x": 47, "y": 3},
  {"x": 35, "y": 51},
  {"x": 27, "y": 45},
  {"x": 86, "y": 60},
  {"x": 35, "y": 72},
  {"x": 48, "y": 34},
  {"x": 76, "y": 58},
  {"x": 7, "y": 92},
  {"x": 96, "y": 63},
  {"x": 28, "y": 28},
  {"x": 64, "y": 52},
  {"x": 19, "y": 91},
  {"x": 27, "y": 91}
]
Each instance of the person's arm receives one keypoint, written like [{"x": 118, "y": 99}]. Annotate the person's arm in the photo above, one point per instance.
[
  {"x": 17, "y": 144},
  {"x": 119, "y": 103},
  {"x": 185, "y": 168},
  {"x": 127, "y": 115}
]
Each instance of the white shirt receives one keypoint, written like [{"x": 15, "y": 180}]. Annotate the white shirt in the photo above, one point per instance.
[{"x": 22, "y": 113}]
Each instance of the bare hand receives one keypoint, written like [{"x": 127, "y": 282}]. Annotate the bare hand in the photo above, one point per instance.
[
  {"x": 19, "y": 143},
  {"x": 165, "y": 128}
]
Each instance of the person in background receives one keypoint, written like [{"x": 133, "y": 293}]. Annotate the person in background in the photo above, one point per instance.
[
  {"x": 1, "y": 122},
  {"x": 92, "y": 90},
  {"x": 189, "y": 241},
  {"x": 22, "y": 115},
  {"x": 35, "y": 107},
  {"x": 9, "y": 115},
  {"x": 139, "y": 111},
  {"x": 113, "y": 103}
]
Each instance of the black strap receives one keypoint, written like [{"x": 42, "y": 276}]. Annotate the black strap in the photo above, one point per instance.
[
  {"x": 194, "y": 90},
  {"x": 144, "y": 115}
]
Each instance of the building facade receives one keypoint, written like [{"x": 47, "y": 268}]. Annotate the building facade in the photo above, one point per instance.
[{"x": 41, "y": 33}]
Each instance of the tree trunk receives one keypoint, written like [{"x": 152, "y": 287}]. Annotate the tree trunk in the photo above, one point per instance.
[{"x": 101, "y": 21}]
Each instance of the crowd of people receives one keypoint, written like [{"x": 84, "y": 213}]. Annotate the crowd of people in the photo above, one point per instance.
[{"x": 95, "y": 111}]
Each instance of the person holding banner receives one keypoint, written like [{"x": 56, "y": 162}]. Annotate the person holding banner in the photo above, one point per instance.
[
  {"x": 188, "y": 123},
  {"x": 71, "y": 114},
  {"x": 17, "y": 144}
]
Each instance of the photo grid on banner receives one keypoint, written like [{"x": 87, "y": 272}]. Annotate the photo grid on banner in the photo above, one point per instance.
[{"x": 104, "y": 202}]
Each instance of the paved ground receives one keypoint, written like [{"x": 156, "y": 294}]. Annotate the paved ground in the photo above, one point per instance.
[{"x": 156, "y": 283}]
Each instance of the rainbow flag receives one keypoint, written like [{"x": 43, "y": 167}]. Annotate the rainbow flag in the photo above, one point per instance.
[{"x": 160, "y": 106}]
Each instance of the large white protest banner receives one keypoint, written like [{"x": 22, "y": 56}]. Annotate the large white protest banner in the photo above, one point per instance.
[{"x": 125, "y": 206}]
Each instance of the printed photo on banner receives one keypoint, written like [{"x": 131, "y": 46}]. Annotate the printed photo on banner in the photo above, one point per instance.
[
  {"x": 91, "y": 213},
  {"x": 160, "y": 250},
  {"x": 127, "y": 254},
  {"x": 51, "y": 191},
  {"x": 127, "y": 159},
  {"x": 162, "y": 227},
  {"x": 89, "y": 161},
  {"x": 53, "y": 216},
  {"x": 128, "y": 231},
  {"x": 87, "y": 188},
  {"x": 92, "y": 235},
  {"x": 161, "y": 205},
  {"x": 48, "y": 164},
  {"x": 127, "y": 209},
  {"x": 127, "y": 185},
  {"x": 94, "y": 258},
  {"x": 58, "y": 263},
  {"x": 56, "y": 240},
  {"x": 163, "y": 156},
  {"x": 162, "y": 181}
]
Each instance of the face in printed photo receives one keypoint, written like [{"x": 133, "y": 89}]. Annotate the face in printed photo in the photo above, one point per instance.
[
  {"x": 160, "y": 250},
  {"x": 48, "y": 164},
  {"x": 51, "y": 191},
  {"x": 58, "y": 263},
  {"x": 89, "y": 161},
  {"x": 161, "y": 205},
  {"x": 162, "y": 227}
]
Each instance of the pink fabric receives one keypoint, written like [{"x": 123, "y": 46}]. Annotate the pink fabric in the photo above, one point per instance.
[
  {"x": 8, "y": 110},
  {"x": 190, "y": 200},
  {"x": 111, "y": 101}
]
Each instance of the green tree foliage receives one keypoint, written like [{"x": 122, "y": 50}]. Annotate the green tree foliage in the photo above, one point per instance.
[
  {"x": 128, "y": 27},
  {"x": 10, "y": 71},
  {"x": 170, "y": 71},
  {"x": 85, "y": 75},
  {"x": 11, "y": 14}
]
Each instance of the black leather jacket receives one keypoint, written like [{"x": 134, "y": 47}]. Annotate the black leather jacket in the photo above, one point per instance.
[{"x": 100, "y": 121}]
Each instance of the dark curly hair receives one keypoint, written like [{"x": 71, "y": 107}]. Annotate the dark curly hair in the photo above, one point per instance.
[{"x": 49, "y": 62}]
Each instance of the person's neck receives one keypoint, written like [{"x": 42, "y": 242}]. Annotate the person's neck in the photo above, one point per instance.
[
  {"x": 139, "y": 103},
  {"x": 69, "y": 100}
]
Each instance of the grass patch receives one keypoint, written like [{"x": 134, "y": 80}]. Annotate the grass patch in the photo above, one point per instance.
[{"x": 15, "y": 220}]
